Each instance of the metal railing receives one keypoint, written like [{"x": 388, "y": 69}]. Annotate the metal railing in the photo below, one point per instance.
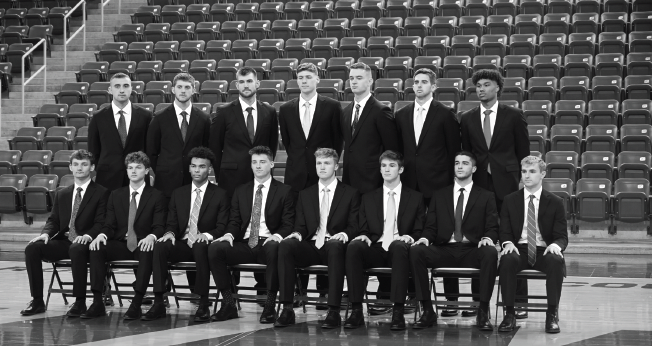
[
  {"x": 43, "y": 68},
  {"x": 104, "y": 3},
  {"x": 65, "y": 31}
]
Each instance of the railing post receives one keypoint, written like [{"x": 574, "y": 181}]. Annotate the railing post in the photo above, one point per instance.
[
  {"x": 67, "y": 40},
  {"x": 43, "y": 68}
]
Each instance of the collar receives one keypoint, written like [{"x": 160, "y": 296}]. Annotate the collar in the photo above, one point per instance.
[
  {"x": 331, "y": 187},
  {"x": 397, "y": 189},
  {"x": 202, "y": 188},
  {"x": 126, "y": 110},
  {"x": 362, "y": 103},
  {"x": 457, "y": 187},
  {"x": 426, "y": 105},
  {"x": 84, "y": 187},
  {"x": 139, "y": 190},
  {"x": 494, "y": 109},
  {"x": 266, "y": 183},
  {"x": 178, "y": 109},
  {"x": 244, "y": 105},
  {"x": 537, "y": 193},
  {"x": 313, "y": 100}
]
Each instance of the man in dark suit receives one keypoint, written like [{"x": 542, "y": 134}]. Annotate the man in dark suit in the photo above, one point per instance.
[
  {"x": 262, "y": 214},
  {"x": 326, "y": 217},
  {"x": 115, "y": 132},
  {"x": 369, "y": 129},
  {"x": 238, "y": 127},
  {"x": 135, "y": 218},
  {"x": 533, "y": 233},
  {"x": 461, "y": 229},
  {"x": 197, "y": 214},
  {"x": 391, "y": 218},
  {"x": 76, "y": 218}
]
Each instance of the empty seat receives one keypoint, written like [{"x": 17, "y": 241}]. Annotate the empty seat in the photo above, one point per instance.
[
  {"x": 566, "y": 137},
  {"x": 9, "y": 160},
  {"x": 331, "y": 88},
  {"x": 582, "y": 43},
  {"x": 638, "y": 87},
  {"x": 247, "y": 11},
  {"x": 227, "y": 69},
  {"x": 198, "y": 13},
  {"x": 601, "y": 138},
  {"x": 562, "y": 164},
  {"x": 192, "y": 50},
  {"x": 537, "y": 112},
  {"x": 640, "y": 42},
  {"x": 639, "y": 64},
  {"x": 155, "y": 32},
  {"x": 389, "y": 89},
  {"x": 148, "y": 71},
  {"x": 465, "y": 45},
  {"x": 517, "y": 66},
  {"x": 614, "y": 21},
  {"x": 631, "y": 201},
  {"x": 326, "y": 47},
  {"x": 408, "y": 46},
  {"x": 271, "y": 91},
  {"x": 11, "y": 191},
  {"x": 182, "y": 31},
  {"x": 636, "y": 112},
  {"x": 244, "y": 49},
  {"x": 635, "y": 137},
  {"x": 213, "y": 91},
  {"x": 72, "y": 93},
  {"x": 641, "y": 21},
  {"x": 34, "y": 162},
  {"x": 38, "y": 196},
  {"x": 417, "y": 26},
  {"x": 542, "y": 88},
  {"x": 449, "y": 89},
  {"x": 523, "y": 44},
  {"x": 609, "y": 64},
  {"x": 336, "y": 27},
  {"x": 634, "y": 164},
  {"x": 578, "y": 65},
  {"x": 130, "y": 33},
  {"x": 98, "y": 93},
  {"x": 471, "y": 25},
  {"x": 612, "y": 42},
  {"x": 380, "y": 47},
  {"x": 574, "y": 88},
  {"x": 500, "y": 24},
  {"x": 493, "y": 45},
  {"x": 157, "y": 92},
  {"x": 444, "y": 26},
  {"x": 222, "y": 12},
  {"x": 607, "y": 88},
  {"x": 538, "y": 136},
  {"x": 552, "y": 43},
  {"x": 547, "y": 65},
  {"x": 146, "y": 14},
  {"x": 457, "y": 67},
  {"x": 297, "y": 48},
  {"x": 604, "y": 112},
  {"x": 527, "y": 24},
  {"x": 570, "y": 112},
  {"x": 203, "y": 70},
  {"x": 436, "y": 46},
  {"x": 166, "y": 50},
  {"x": 563, "y": 188},
  {"x": 593, "y": 200},
  {"x": 140, "y": 51},
  {"x": 284, "y": 69},
  {"x": 424, "y": 8},
  {"x": 218, "y": 49},
  {"x": 598, "y": 164},
  {"x": 354, "y": 47}
]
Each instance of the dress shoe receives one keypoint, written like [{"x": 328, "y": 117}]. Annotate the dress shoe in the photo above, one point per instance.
[
  {"x": 521, "y": 315},
  {"x": 133, "y": 313},
  {"x": 155, "y": 312},
  {"x": 508, "y": 324},
  {"x": 552, "y": 323},
  {"x": 286, "y": 318},
  {"x": 34, "y": 307},
  {"x": 322, "y": 307},
  {"x": 355, "y": 320},
  {"x": 108, "y": 300},
  {"x": 482, "y": 321},
  {"x": 226, "y": 312},
  {"x": 398, "y": 321},
  {"x": 449, "y": 312},
  {"x": 77, "y": 309},
  {"x": 268, "y": 316},
  {"x": 469, "y": 313},
  {"x": 378, "y": 310},
  {"x": 427, "y": 320},
  {"x": 332, "y": 320},
  {"x": 96, "y": 309},
  {"x": 203, "y": 313},
  {"x": 148, "y": 301}
]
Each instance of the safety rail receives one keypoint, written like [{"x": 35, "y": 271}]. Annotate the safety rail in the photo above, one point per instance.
[
  {"x": 65, "y": 31},
  {"x": 43, "y": 68},
  {"x": 104, "y": 3}
]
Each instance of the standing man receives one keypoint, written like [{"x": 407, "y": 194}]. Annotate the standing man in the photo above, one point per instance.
[
  {"x": 237, "y": 128},
  {"x": 534, "y": 234},
  {"x": 135, "y": 219},
  {"x": 77, "y": 217},
  {"x": 115, "y": 132},
  {"x": 369, "y": 129},
  {"x": 326, "y": 218}
]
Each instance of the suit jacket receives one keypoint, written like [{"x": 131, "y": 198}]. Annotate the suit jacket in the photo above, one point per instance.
[
  {"x": 551, "y": 218},
  {"x": 410, "y": 217},
  {"x": 90, "y": 215},
  {"x": 342, "y": 216},
  {"x": 150, "y": 215},
  {"x": 429, "y": 162},
  {"x": 509, "y": 145},
  {"x": 480, "y": 217},
  {"x": 279, "y": 209},
  {"x": 105, "y": 144},
  {"x": 167, "y": 150},
  {"x": 231, "y": 143},
  {"x": 325, "y": 132},
  {"x": 375, "y": 133},
  {"x": 213, "y": 214}
]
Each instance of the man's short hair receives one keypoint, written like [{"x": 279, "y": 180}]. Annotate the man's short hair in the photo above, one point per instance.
[
  {"x": 245, "y": 70},
  {"x": 360, "y": 66},
  {"x": 120, "y": 75},
  {"x": 431, "y": 75},
  {"x": 262, "y": 150},
  {"x": 308, "y": 66},
  {"x": 202, "y": 153},
  {"x": 82, "y": 154},
  {"x": 474, "y": 160},
  {"x": 183, "y": 77},
  {"x": 492, "y": 75},
  {"x": 327, "y": 153},
  {"x": 534, "y": 160},
  {"x": 392, "y": 155},
  {"x": 137, "y": 157}
]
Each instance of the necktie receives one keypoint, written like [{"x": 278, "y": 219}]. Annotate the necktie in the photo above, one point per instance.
[
  {"x": 390, "y": 220},
  {"x": 355, "y": 119},
  {"x": 486, "y": 128},
  {"x": 132, "y": 240},
  {"x": 194, "y": 216},
  {"x": 418, "y": 124},
  {"x": 306, "y": 119},
  {"x": 122, "y": 128},
  {"x": 459, "y": 212},
  {"x": 323, "y": 218},
  {"x": 250, "y": 123},
  {"x": 531, "y": 233},
  {"x": 184, "y": 125},
  {"x": 255, "y": 217},
  {"x": 72, "y": 234}
]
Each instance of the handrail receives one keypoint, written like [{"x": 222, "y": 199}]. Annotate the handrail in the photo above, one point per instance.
[
  {"x": 65, "y": 31},
  {"x": 104, "y": 3},
  {"x": 43, "y": 68}
]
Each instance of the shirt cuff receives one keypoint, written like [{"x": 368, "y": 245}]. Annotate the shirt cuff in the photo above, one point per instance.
[
  {"x": 208, "y": 236},
  {"x": 346, "y": 236}
]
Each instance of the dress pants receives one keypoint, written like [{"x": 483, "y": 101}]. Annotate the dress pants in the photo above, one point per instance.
[
  {"x": 116, "y": 250},
  {"x": 221, "y": 255},
  {"x": 553, "y": 265},
  {"x": 293, "y": 253},
  {"x": 456, "y": 255},
  {"x": 180, "y": 252},
  {"x": 56, "y": 250},
  {"x": 360, "y": 256}
]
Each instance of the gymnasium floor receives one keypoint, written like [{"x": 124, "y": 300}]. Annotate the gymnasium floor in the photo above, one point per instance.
[{"x": 607, "y": 300}]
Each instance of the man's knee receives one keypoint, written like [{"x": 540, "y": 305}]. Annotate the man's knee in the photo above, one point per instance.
[
  {"x": 510, "y": 260},
  {"x": 285, "y": 247},
  {"x": 418, "y": 252},
  {"x": 77, "y": 250},
  {"x": 489, "y": 254},
  {"x": 355, "y": 247},
  {"x": 34, "y": 248}
]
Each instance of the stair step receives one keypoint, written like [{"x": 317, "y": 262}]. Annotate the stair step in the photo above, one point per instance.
[
  {"x": 9, "y": 128},
  {"x": 9, "y": 104},
  {"x": 16, "y": 117},
  {"x": 38, "y": 95},
  {"x": 29, "y": 88}
]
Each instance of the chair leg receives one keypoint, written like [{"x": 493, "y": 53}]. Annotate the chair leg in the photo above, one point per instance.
[
  {"x": 233, "y": 286},
  {"x": 497, "y": 302},
  {"x": 56, "y": 273},
  {"x": 299, "y": 286},
  {"x": 174, "y": 289},
  {"x": 107, "y": 283},
  {"x": 47, "y": 301},
  {"x": 115, "y": 284}
]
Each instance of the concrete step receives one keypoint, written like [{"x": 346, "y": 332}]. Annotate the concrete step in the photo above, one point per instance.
[
  {"x": 39, "y": 78},
  {"x": 9, "y": 128},
  {"x": 9, "y": 105},
  {"x": 29, "y": 88},
  {"x": 16, "y": 117},
  {"x": 34, "y": 95},
  {"x": 4, "y": 145},
  {"x": 58, "y": 54}
]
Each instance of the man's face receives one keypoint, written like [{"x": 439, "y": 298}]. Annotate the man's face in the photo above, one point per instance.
[
  {"x": 487, "y": 90},
  {"x": 307, "y": 81},
  {"x": 247, "y": 85},
  {"x": 81, "y": 169},
  {"x": 120, "y": 88},
  {"x": 261, "y": 165},
  {"x": 183, "y": 91},
  {"x": 390, "y": 169},
  {"x": 532, "y": 175},
  {"x": 464, "y": 167},
  {"x": 360, "y": 81},
  {"x": 136, "y": 172},
  {"x": 326, "y": 167},
  {"x": 422, "y": 86},
  {"x": 200, "y": 169}
]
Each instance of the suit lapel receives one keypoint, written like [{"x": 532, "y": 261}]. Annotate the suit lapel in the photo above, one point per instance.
[
  {"x": 473, "y": 197},
  {"x": 410, "y": 116},
  {"x": 206, "y": 200},
  {"x": 249, "y": 203},
  {"x": 261, "y": 113},
  {"x": 364, "y": 115},
  {"x": 184, "y": 208},
  {"x": 543, "y": 204},
  {"x": 239, "y": 118},
  {"x": 315, "y": 116},
  {"x": 429, "y": 119},
  {"x": 147, "y": 193},
  {"x": 500, "y": 119},
  {"x": 111, "y": 126},
  {"x": 314, "y": 192},
  {"x": 270, "y": 195},
  {"x": 296, "y": 117},
  {"x": 171, "y": 112},
  {"x": 402, "y": 204},
  {"x": 477, "y": 125},
  {"x": 339, "y": 192},
  {"x": 191, "y": 124},
  {"x": 87, "y": 196}
]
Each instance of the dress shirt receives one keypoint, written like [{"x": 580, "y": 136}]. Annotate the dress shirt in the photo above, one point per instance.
[
  {"x": 127, "y": 113},
  {"x": 526, "y": 202},
  {"x": 193, "y": 195},
  {"x": 456, "y": 195},
  {"x": 254, "y": 113},
  {"x": 74, "y": 193},
  {"x": 362, "y": 103},
  {"x": 311, "y": 109},
  {"x": 492, "y": 116},
  {"x": 397, "y": 202},
  {"x": 425, "y": 108},
  {"x": 131, "y": 192},
  {"x": 263, "y": 231},
  {"x": 178, "y": 111},
  {"x": 332, "y": 186}
]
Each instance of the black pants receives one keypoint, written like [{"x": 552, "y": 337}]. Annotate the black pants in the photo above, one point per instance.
[
  {"x": 116, "y": 250},
  {"x": 56, "y": 250},
  {"x": 221, "y": 255},
  {"x": 180, "y": 252}
]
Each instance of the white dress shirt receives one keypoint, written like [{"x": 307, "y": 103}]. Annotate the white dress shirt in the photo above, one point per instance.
[
  {"x": 74, "y": 193},
  {"x": 193, "y": 195},
  {"x": 492, "y": 116},
  {"x": 178, "y": 111},
  {"x": 397, "y": 201},
  {"x": 418, "y": 123},
  {"x": 263, "y": 231},
  {"x": 254, "y": 112},
  {"x": 362, "y": 103},
  {"x": 332, "y": 186},
  {"x": 311, "y": 109},
  {"x": 456, "y": 195},
  {"x": 140, "y": 193},
  {"x": 127, "y": 113},
  {"x": 526, "y": 202}
]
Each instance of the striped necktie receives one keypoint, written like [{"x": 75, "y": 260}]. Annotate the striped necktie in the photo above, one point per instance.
[{"x": 531, "y": 233}]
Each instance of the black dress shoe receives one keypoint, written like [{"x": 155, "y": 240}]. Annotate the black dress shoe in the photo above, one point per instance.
[
  {"x": 552, "y": 323},
  {"x": 77, "y": 309},
  {"x": 427, "y": 320},
  {"x": 155, "y": 312},
  {"x": 148, "y": 301},
  {"x": 286, "y": 318},
  {"x": 483, "y": 322},
  {"x": 203, "y": 313},
  {"x": 398, "y": 321},
  {"x": 449, "y": 313},
  {"x": 355, "y": 320},
  {"x": 332, "y": 320},
  {"x": 34, "y": 307},
  {"x": 520, "y": 315},
  {"x": 376, "y": 310},
  {"x": 133, "y": 313},
  {"x": 268, "y": 316},
  {"x": 469, "y": 313},
  {"x": 226, "y": 312},
  {"x": 96, "y": 309},
  {"x": 508, "y": 324}
]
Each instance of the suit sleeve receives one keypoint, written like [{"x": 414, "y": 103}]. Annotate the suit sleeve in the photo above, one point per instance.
[
  {"x": 207, "y": 131},
  {"x": 217, "y": 134},
  {"x": 420, "y": 219},
  {"x": 560, "y": 230},
  {"x": 235, "y": 218},
  {"x": 353, "y": 224},
  {"x": 430, "y": 230},
  {"x": 386, "y": 126},
  {"x": 336, "y": 130},
  {"x": 110, "y": 221},
  {"x": 285, "y": 136},
  {"x": 506, "y": 232},
  {"x": 521, "y": 137},
  {"x": 51, "y": 227},
  {"x": 300, "y": 219},
  {"x": 453, "y": 138},
  {"x": 273, "y": 135},
  {"x": 172, "y": 225},
  {"x": 94, "y": 143},
  {"x": 158, "y": 219},
  {"x": 491, "y": 218},
  {"x": 100, "y": 214},
  {"x": 287, "y": 219},
  {"x": 222, "y": 216},
  {"x": 153, "y": 144}
]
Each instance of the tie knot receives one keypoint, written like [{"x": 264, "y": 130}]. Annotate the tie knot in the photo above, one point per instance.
[
  {"x": 357, "y": 106},
  {"x": 462, "y": 190},
  {"x": 487, "y": 112},
  {"x": 327, "y": 190},
  {"x": 198, "y": 190},
  {"x": 392, "y": 193},
  {"x": 121, "y": 112},
  {"x": 250, "y": 109},
  {"x": 260, "y": 187},
  {"x": 79, "y": 189},
  {"x": 531, "y": 198},
  {"x": 183, "y": 114},
  {"x": 307, "y": 104},
  {"x": 133, "y": 194}
]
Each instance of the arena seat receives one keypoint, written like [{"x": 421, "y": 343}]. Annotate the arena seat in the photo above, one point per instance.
[
  {"x": 566, "y": 137},
  {"x": 537, "y": 112},
  {"x": 634, "y": 164}
]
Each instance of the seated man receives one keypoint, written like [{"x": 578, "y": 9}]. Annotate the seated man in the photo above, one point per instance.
[
  {"x": 262, "y": 214},
  {"x": 135, "y": 218},
  {"x": 533, "y": 234},
  {"x": 391, "y": 217},
  {"x": 76, "y": 218},
  {"x": 327, "y": 214},
  {"x": 461, "y": 228},
  {"x": 197, "y": 214}
]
